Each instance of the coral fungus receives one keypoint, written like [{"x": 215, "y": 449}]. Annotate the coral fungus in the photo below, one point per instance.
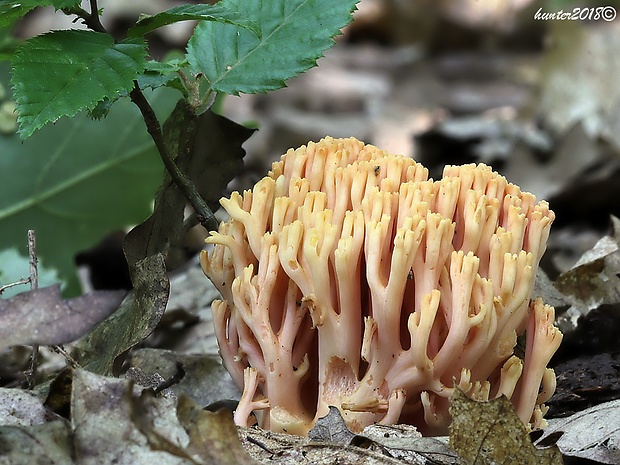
[{"x": 350, "y": 279}]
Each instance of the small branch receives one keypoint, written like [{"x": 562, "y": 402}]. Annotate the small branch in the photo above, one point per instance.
[
  {"x": 32, "y": 259},
  {"x": 95, "y": 22},
  {"x": 91, "y": 19},
  {"x": 31, "y": 374},
  {"x": 190, "y": 222},
  {"x": 69, "y": 359},
  {"x": 17, "y": 283},
  {"x": 203, "y": 212},
  {"x": 174, "y": 379}
]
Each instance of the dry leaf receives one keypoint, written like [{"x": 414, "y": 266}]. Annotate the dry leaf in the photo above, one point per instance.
[
  {"x": 331, "y": 427},
  {"x": 135, "y": 320},
  {"x": 102, "y": 416},
  {"x": 206, "y": 380},
  {"x": 592, "y": 434},
  {"x": 21, "y": 408},
  {"x": 47, "y": 444},
  {"x": 212, "y": 435},
  {"x": 406, "y": 443},
  {"x": 286, "y": 449},
  {"x": 42, "y": 317},
  {"x": 579, "y": 78},
  {"x": 594, "y": 279},
  {"x": 491, "y": 433}
]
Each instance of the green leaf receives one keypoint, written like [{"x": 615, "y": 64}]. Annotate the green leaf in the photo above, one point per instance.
[
  {"x": 293, "y": 35},
  {"x": 60, "y": 73},
  {"x": 101, "y": 110},
  {"x": 11, "y": 10},
  {"x": 215, "y": 13},
  {"x": 160, "y": 73},
  {"x": 79, "y": 180},
  {"x": 156, "y": 74}
]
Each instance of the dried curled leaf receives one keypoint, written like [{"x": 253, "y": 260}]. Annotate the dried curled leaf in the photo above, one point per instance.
[
  {"x": 135, "y": 320},
  {"x": 42, "y": 317}
]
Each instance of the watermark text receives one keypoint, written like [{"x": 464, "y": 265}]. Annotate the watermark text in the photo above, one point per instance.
[{"x": 594, "y": 13}]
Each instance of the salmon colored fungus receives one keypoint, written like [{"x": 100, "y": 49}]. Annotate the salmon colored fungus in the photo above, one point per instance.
[{"x": 350, "y": 279}]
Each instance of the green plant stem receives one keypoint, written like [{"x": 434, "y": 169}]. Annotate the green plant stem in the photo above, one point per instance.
[
  {"x": 91, "y": 20},
  {"x": 203, "y": 212},
  {"x": 94, "y": 15}
]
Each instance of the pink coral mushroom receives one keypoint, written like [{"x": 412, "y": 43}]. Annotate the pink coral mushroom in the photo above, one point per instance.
[{"x": 351, "y": 280}]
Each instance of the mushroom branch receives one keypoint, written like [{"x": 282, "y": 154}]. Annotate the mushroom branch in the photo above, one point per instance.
[{"x": 350, "y": 279}]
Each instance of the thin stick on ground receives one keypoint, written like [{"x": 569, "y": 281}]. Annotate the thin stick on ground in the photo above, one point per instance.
[{"x": 31, "y": 374}]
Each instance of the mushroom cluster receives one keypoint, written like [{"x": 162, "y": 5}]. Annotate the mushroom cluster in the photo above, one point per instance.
[{"x": 350, "y": 279}]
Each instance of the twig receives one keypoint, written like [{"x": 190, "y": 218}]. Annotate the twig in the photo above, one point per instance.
[
  {"x": 91, "y": 19},
  {"x": 94, "y": 16},
  {"x": 32, "y": 259},
  {"x": 260, "y": 444},
  {"x": 174, "y": 379},
  {"x": 16, "y": 283},
  {"x": 203, "y": 212},
  {"x": 31, "y": 374},
  {"x": 61, "y": 351},
  {"x": 190, "y": 222}
]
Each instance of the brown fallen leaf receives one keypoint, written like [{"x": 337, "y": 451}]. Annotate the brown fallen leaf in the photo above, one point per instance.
[
  {"x": 331, "y": 427},
  {"x": 407, "y": 444},
  {"x": 590, "y": 95},
  {"x": 212, "y": 435},
  {"x": 206, "y": 380},
  {"x": 401, "y": 442},
  {"x": 491, "y": 433},
  {"x": 113, "y": 423},
  {"x": 41, "y": 316},
  {"x": 19, "y": 407},
  {"x": 285, "y": 449}
]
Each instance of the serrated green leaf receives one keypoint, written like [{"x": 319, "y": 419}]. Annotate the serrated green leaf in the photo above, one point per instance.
[
  {"x": 188, "y": 12},
  {"x": 159, "y": 74},
  {"x": 293, "y": 35},
  {"x": 79, "y": 180},
  {"x": 63, "y": 72},
  {"x": 12, "y": 10},
  {"x": 101, "y": 110}
]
